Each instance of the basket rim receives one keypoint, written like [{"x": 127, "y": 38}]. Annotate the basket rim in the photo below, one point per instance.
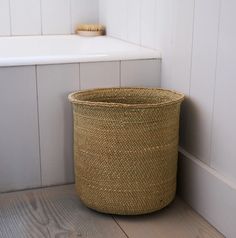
[{"x": 71, "y": 97}]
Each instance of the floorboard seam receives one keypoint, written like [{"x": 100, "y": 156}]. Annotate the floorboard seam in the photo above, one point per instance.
[{"x": 120, "y": 227}]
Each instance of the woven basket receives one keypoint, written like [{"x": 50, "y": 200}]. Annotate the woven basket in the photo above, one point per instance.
[{"x": 125, "y": 148}]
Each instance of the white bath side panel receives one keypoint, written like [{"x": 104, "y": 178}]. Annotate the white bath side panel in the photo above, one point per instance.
[
  {"x": 224, "y": 122},
  {"x": 198, "y": 120},
  {"x": 55, "y": 82},
  {"x": 56, "y": 17},
  {"x": 141, "y": 73},
  {"x": 99, "y": 75},
  {"x": 5, "y": 28},
  {"x": 19, "y": 140},
  {"x": 25, "y": 17}
]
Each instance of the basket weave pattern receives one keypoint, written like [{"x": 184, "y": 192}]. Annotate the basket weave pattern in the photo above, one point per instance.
[{"x": 125, "y": 148}]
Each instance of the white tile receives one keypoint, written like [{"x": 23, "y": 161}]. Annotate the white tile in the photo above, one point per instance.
[
  {"x": 133, "y": 24},
  {"x": 55, "y": 82},
  {"x": 140, "y": 73},
  {"x": 148, "y": 23},
  {"x": 117, "y": 18},
  {"x": 5, "y": 28},
  {"x": 25, "y": 17},
  {"x": 199, "y": 117},
  {"x": 103, "y": 11},
  {"x": 224, "y": 126},
  {"x": 19, "y": 138},
  {"x": 56, "y": 17},
  {"x": 99, "y": 75},
  {"x": 83, "y": 11}
]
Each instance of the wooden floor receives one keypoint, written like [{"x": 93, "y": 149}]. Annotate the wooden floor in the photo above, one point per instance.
[{"x": 57, "y": 212}]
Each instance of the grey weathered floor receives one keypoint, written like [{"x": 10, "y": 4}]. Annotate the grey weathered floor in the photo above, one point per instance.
[{"x": 57, "y": 212}]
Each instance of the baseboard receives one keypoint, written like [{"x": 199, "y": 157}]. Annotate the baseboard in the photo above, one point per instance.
[{"x": 212, "y": 195}]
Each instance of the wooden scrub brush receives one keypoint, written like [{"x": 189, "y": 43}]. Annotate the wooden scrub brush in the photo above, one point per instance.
[{"x": 90, "y": 30}]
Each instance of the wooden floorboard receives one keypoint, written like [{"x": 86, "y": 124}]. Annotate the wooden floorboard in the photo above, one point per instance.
[
  {"x": 176, "y": 221},
  {"x": 52, "y": 212},
  {"x": 57, "y": 212}
]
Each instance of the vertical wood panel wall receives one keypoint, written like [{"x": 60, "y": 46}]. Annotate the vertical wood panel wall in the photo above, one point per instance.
[
  {"x": 36, "y": 133},
  {"x": 45, "y": 17},
  {"x": 197, "y": 42},
  {"x": 196, "y": 38}
]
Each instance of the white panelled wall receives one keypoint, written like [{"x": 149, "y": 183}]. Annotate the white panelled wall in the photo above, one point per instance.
[
  {"x": 36, "y": 126},
  {"x": 45, "y": 17},
  {"x": 197, "y": 40}
]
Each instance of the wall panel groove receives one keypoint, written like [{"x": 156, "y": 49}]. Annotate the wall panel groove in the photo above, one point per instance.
[{"x": 27, "y": 17}]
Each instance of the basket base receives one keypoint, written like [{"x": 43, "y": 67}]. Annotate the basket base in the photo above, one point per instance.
[{"x": 122, "y": 210}]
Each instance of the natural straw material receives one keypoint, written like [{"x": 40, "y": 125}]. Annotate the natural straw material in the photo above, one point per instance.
[
  {"x": 125, "y": 148},
  {"x": 91, "y": 30}
]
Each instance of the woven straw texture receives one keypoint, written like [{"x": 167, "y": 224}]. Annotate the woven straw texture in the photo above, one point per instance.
[{"x": 126, "y": 148}]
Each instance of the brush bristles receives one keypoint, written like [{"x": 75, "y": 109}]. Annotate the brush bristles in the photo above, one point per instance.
[{"x": 90, "y": 27}]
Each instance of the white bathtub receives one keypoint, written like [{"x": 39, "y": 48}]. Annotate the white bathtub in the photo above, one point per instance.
[
  {"x": 36, "y": 76},
  {"x": 38, "y": 50}
]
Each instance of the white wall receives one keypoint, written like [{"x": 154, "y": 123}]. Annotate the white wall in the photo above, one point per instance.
[
  {"x": 36, "y": 17},
  {"x": 197, "y": 40}
]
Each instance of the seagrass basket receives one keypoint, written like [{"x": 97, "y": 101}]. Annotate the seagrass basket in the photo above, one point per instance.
[{"x": 126, "y": 148}]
